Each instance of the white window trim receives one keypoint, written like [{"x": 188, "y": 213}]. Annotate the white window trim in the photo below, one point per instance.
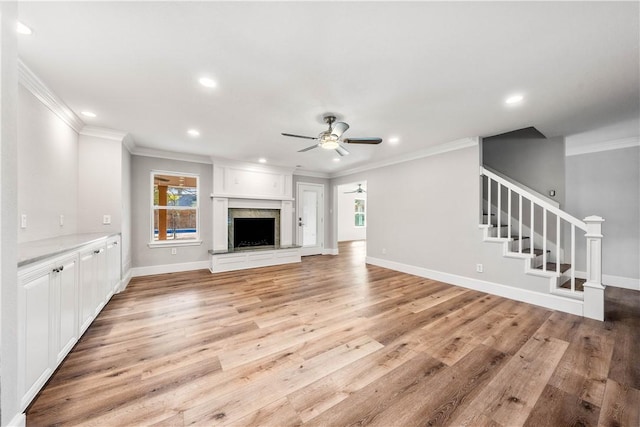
[{"x": 171, "y": 243}]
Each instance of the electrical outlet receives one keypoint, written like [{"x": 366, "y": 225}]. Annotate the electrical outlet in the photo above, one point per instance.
[
  {"x": 61, "y": 220},
  {"x": 23, "y": 221},
  {"x": 479, "y": 268},
  {"x": 384, "y": 251},
  {"x": 106, "y": 219},
  {"x": 174, "y": 251}
]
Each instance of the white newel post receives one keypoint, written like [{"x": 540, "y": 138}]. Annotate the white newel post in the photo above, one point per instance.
[{"x": 593, "y": 288}]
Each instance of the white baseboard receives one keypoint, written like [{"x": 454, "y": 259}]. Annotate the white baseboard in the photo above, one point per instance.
[
  {"x": 552, "y": 302},
  {"x": 330, "y": 251},
  {"x": 125, "y": 280},
  {"x": 20, "y": 420},
  {"x": 169, "y": 268},
  {"x": 615, "y": 281}
]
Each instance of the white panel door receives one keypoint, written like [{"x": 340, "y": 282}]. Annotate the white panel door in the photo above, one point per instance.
[{"x": 310, "y": 218}]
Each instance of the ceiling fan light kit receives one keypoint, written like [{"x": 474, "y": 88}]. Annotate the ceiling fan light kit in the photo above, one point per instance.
[{"x": 330, "y": 139}]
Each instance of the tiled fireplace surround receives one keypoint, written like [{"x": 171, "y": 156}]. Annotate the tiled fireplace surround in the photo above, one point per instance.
[{"x": 253, "y": 213}]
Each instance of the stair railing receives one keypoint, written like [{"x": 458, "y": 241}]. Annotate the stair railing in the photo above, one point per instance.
[{"x": 513, "y": 190}]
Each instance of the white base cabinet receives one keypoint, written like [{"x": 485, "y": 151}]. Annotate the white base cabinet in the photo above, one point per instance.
[{"x": 58, "y": 298}]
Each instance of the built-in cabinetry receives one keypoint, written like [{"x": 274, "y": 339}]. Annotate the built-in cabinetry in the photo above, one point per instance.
[{"x": 58, "y": 298}]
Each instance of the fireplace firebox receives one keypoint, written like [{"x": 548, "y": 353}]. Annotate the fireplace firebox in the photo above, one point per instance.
[{"x": 253, "y": 232}]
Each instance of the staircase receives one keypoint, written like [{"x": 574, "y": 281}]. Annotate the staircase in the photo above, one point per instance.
[{"x": 533, "y": 228}]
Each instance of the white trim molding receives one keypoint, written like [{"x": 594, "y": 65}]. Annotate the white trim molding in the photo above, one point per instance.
[
  {"x": 616, "y": 144},
  {"x": 20, "y": 420},
  {"x": 615, "y": 281},
  {"x": 169, "y": 268},
  {"x": 553, "y": 302},
  {"x": 330, "y": 251},
  {"x": 104, "y": 133},
  {"x": 33, "y": 84},
  {"x": 433, "y": 150},
  {"x": 170, "y": 155}
]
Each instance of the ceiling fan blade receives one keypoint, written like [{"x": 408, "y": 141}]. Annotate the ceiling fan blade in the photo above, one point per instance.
[
  {"x": 299, "y": 136},
  {"x": 362, "y": 140},
  {"x": 339, "y": 128},
  {"x": 342, "y": 151},
  {"x": 308, "y": 148}
]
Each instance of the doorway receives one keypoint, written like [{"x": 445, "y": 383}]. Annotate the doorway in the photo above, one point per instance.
[
  {"x": 351, "y": 218},
  {"x": 310, "y": 218}
]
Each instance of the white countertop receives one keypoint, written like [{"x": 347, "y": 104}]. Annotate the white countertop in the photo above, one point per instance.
[{"x": 37, "y": 250}]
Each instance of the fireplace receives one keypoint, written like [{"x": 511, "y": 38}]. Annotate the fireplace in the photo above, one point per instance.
[
  {"x": 253, "y": 232},
  {"x": 252, "y": 228}
]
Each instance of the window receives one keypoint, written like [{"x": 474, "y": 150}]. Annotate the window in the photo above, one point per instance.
[
  {"x": 359, "y": 213},
  {"x": 174, "y": 210}
]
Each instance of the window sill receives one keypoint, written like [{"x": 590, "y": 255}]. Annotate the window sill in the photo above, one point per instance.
[{"x": 170, "y": 244}]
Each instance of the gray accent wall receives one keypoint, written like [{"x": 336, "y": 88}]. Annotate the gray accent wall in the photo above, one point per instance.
[
  {"x": 529, "y": 158},
  {"x": 607, "y": 184},
  {"x": 142, "y": 254}
]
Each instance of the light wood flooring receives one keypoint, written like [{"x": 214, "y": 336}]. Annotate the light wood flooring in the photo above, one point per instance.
[{"x": 335, "y": 342}]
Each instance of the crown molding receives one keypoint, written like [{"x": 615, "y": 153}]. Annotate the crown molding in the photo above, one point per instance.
[
  {"x": 33, "y": 84},
  {"x": 250, "y": 166},
  {"x": 104, "y": 133},
  {"x": 312, "y": 174},
  {"x": 426, "y": 152},
  {"x": 129, "y": 143},
  {"x": 170, "y": 155},
  {"x": 597, "y": 147}
]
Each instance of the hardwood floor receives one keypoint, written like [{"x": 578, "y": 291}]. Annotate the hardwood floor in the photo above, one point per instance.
[{"x": 335, "y": 342}]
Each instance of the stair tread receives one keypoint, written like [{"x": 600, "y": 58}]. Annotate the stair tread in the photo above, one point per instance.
[
  {"x": 551, "y": 266},
  {"x": 536, "y": 251},
  {"x": 579, "y": 284}
]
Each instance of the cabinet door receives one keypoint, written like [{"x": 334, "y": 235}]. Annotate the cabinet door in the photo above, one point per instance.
[
  {"x": 66, "y": 309},
  {"x": 113, "y": 265},
  {"x": 86, "y": 291},
  {"x": 101, "y": 279},
  {"x": 35, "y": 335}
]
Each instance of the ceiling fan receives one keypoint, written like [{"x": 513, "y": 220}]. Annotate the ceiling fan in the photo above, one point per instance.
[
  {"x": 358, "y": 190},
  {"x": 330, "y": 139}
]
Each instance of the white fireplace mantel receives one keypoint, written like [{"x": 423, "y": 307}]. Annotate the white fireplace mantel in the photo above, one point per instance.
[
  {"x": 251, "y": 181},
  {"x": 241, "y": 185}
]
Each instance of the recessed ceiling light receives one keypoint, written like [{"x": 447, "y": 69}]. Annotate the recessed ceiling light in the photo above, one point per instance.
[
  {"x": 394, "y": 140},
  {"x": 23, "y": 29},
  {"x": 514, "y": 99},
  {"x": 336, "y": 159},
  {"x": 193, "y": 132},
  {"x": 207, "y": 82},
  {"x": 262, "y": 160},
  {"x": 88, "y": 114}
]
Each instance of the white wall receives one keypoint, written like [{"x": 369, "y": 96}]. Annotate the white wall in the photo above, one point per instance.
[
  {"x": 99, "y": 184},
  {"x": 142, "y": 255},
  {"x": 47, "y": 171},
  {"x": 345, "y": 216},
  {"x": 8, "y": 212},
  {"x": 607, "y": 184}
]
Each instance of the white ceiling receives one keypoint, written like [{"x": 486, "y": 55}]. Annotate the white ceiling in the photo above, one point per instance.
[{"x": 427, "y": 73}]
